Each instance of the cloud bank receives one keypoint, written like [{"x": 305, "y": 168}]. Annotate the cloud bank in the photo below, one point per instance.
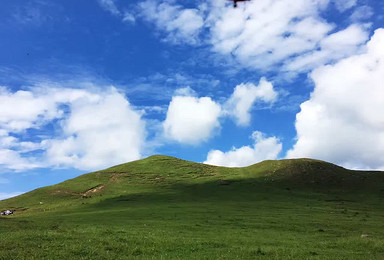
[
  {"x": 91, "y": 128},
  {"x": 343, "y": 121},
  {"x": 290, "y": 36}
]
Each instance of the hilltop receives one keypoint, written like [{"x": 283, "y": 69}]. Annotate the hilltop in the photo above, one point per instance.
[{"x": 166, "y": 207}]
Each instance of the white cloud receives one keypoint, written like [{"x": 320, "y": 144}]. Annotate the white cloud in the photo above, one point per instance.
[
  {"x": 362, "y": 13},
  {"x": 291, "y": 36},
  {"x": 245, "y": 95},
  {"x": 129, "y": 17},
  {"x": 187, "y": 91},
  {"x": 19, "y": 111},
  {"x": 351, "y": 37},
  {"x": 264, "y": 148},
  {"x": 99, "y": 133},
  {"x": 344, "y": 5},
  {"x": 13, "y": 160},
  {"x": 334, "y": 47},
  {"x": 11, "y": 153},
  {"x": 266, "y": 34},
  {"x": 94, "y": 128},
  {"x": 181, "y": 25},
  {"x": 109, "y": 5},
  {"x": 343, "y": 121},
  {"x": 191, "y": 120},
  {"x": 4, "y": 195},
  {"x": 22, "y": 110}
]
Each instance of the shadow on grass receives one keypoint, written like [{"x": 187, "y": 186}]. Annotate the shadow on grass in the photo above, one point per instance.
[{"x": 248, "y": 191}]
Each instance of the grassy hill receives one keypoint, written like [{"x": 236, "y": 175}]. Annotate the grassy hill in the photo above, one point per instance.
[{"x": 166, "y": 208}]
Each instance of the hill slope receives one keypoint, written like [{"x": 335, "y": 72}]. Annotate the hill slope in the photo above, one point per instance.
[
  {"x": 164, "y": 171},
  {"x": 164, "y": 207}
]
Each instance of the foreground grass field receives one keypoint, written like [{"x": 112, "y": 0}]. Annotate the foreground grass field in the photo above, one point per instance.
[{"x": 165, "y": 208}]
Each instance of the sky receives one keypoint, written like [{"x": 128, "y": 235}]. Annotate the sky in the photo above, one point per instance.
[{"x": 85, "y": 85}]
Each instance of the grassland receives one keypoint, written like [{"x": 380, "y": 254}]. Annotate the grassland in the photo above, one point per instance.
[{"x": 165, "y": 208}]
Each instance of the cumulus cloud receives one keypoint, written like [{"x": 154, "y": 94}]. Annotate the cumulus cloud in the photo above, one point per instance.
[
  {"x": 22, "y": 110},
  {"x": 114, "y": 134},
  {"x": 343, "y": 120},
  {"x": 13, "y": 160},
  {"x": 264, "y": 148},
  {"x": 94, "y": 128},
  {"x": 245, "y": 95},
  {"x": 266, "y": 34},
  {"x": 190, "y": 119},
  {"x": 181, "y": 25}
]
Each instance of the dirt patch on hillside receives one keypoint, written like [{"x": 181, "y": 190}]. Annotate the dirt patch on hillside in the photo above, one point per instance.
[{"x": 94, "y": 190}]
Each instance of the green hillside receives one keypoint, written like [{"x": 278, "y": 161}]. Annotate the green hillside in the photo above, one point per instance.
[{"x": 166, "y": 208}]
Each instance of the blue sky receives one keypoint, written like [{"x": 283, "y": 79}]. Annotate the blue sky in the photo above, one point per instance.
[{"x": 89, "y": 84}]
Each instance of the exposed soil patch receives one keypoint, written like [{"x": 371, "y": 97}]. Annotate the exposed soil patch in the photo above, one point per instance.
[{"x": 93, "y": 190}]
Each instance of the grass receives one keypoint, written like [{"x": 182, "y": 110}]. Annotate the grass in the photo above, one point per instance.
[{"x": 165, "y": 208}]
